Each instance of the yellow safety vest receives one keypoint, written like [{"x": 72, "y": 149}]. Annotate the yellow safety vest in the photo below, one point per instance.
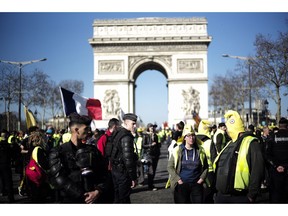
[
  {"x": 242, "y": 172},
  {"x": 139, "y": 145},
  {"x": 10, "y": 139},
  {"x": 206, "y": 146},
  {"x": 176, "y": 155}
]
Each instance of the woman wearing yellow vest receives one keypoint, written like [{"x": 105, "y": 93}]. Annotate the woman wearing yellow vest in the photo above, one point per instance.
[
  {"x": 38, "y": 192},
  {"x": 187, "y": 169},
  {"x": 239, "y": 167}
]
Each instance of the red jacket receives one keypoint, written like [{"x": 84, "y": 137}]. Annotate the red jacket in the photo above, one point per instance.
[{"x": 102, "y": 141}]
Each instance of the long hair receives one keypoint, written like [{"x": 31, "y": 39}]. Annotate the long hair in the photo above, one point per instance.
[{"x": 37, "y": 139}]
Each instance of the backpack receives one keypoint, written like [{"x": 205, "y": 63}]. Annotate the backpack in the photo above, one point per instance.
[
  {"x": 33, "y": 170},
  {"x": 108, "y": 146},
  {"x": 111, "y": 142},
  {"x": 111, "y": 148}
]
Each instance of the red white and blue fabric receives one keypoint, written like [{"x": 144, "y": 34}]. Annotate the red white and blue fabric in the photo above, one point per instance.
[{"x": 73, "y": 102}]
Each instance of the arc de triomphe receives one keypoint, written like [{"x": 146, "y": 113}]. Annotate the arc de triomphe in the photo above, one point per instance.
[{"x": 176, "y": 47}]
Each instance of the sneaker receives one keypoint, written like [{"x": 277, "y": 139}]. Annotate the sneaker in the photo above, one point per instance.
[
  {"x": 153, "y": 188},
  {"x": 20, "y": 192}
]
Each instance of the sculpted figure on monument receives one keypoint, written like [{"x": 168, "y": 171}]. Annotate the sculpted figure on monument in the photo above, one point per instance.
[
  {"x": 191, "y": 101},
  {"x": 111, "y": 103}
]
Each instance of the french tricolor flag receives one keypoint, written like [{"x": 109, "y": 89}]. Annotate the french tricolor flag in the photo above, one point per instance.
[{"x": 73, "y": 102}]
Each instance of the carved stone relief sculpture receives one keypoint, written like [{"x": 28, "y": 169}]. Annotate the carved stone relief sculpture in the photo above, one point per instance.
[
  {"x": 191, "y": 101},
  {"x": 110, "y": 67},
  {"x": 189, "y": 66},
  {"x": 111, "y": 105}
]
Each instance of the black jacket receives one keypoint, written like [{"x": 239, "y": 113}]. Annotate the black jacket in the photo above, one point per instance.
[
  {"x": 153, "y": 151},
  {"x": 66, "y": 163},
  {"x": 226, "y": 166},
  {"x": 277, "y": 149},
  {"x": 123, "y": 155},
  {"x": 5, "y": 154}
]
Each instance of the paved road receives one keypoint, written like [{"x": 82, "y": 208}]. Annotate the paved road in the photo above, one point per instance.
[{"x": 162, "y": 195}]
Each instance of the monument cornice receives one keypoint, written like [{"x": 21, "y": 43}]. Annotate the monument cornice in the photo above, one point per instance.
[
  {"x": 110, "y": 81},
  {"x": 186, "y": 80},
  {"x": 150, "y": 47},
  {"x": 137, "y": 40},
  {"x": 149, "y": 21}
]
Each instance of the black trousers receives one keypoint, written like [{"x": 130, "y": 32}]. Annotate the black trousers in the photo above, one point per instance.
[
  {"x": 108, "y": 197},
  {"x": 188, "y": 193},
  {"x": 6, "y": 177},
  {"x": 278, "y": 186},
  {"x": 122, "y": 186},
  {"x": 228, "y": 198},
  {"x": 152, "y": 171}
]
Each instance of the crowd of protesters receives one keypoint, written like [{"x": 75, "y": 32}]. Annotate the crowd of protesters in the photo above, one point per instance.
[{"x": 225, "y": 163}]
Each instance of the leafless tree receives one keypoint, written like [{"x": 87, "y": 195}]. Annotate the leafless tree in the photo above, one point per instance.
[
  {"x": 271, "y": 63},
  {"x": 226, "y": 92},
  {"x": 38, "y": 90},
  {"x": 9, "y": 89},
  {"x": 76, "y": 86}
]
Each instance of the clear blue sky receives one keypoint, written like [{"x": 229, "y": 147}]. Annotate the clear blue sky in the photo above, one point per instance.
[{"x": 62, "y": 38}]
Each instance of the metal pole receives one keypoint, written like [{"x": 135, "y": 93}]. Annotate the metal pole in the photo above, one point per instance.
[
  {"x": 6, "y": 115},
  {"x": 250, "y": 97},
  {"x": 20, "y": 99},
  {"x": 249, "y": 81}
]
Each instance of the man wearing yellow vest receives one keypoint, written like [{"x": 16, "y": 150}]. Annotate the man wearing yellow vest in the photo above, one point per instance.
[{"x": 239, "y": 167}]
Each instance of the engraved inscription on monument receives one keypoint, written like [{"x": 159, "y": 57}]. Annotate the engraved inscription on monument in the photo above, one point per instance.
[
  {"x": 189, "y": 66},
  {"x": 110, "y": 67}
]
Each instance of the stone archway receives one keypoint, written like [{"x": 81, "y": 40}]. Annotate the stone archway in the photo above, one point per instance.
[{"x": 177, "y": 47}]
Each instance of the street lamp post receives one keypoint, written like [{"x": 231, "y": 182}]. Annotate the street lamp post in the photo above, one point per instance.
[
  {"x": 249, "y": 80},
  {"x": 266, "y": 104},
  {"x": 7, "y": 116},
  {"x": 21, "y": 65}
]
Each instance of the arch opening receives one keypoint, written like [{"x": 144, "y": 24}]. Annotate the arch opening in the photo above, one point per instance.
[
  {"x": 151, "y": 94},
  {"x": 149, "y": 66}
]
